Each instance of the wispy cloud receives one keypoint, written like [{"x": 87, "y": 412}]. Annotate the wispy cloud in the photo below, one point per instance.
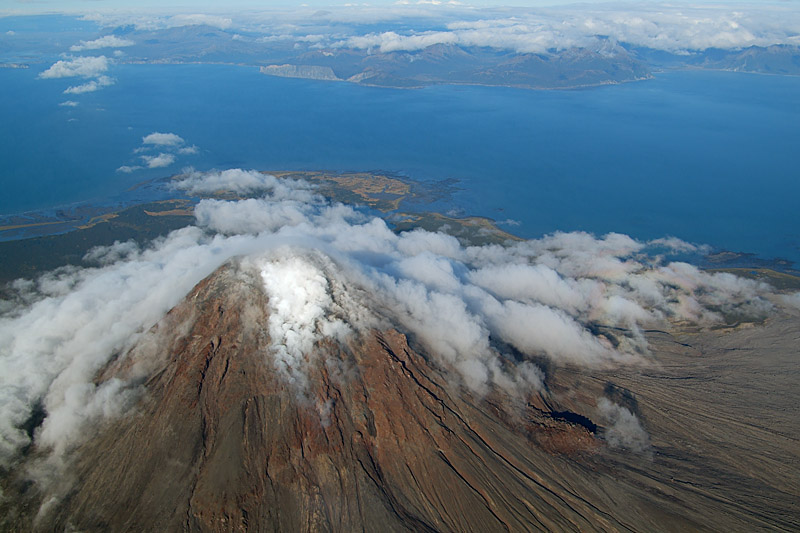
[
  {"x": 128, "y": 169},
  {"x": 90, "y": 86}
]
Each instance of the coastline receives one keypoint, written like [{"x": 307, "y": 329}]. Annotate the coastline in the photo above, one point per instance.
[{"x": 42, "y": 244}]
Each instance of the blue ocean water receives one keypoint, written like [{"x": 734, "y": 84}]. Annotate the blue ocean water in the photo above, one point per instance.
[{"x": 708, "y": 157}]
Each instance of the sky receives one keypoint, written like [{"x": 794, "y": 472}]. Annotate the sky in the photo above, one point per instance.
[
  {"x": 532, "y": 26},
  {"x": 51, "y": 6}
]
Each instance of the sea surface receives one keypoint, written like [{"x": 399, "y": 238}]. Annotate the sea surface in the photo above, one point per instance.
[{"x": 709, "y": 157}]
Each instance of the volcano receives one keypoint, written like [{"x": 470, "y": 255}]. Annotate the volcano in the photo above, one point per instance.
[{"x": 370, "y": 432}]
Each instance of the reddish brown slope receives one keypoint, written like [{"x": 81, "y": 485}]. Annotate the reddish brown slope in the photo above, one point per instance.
[{"x": 381, "y": 440}]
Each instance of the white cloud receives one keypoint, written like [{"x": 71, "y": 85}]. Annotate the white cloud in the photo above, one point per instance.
[
  {"x": 243, "y": 182},
  {"x": 86, "y": 67},
  {"x": 457, "y": 303},
  {"x": 162, "y": 139},
  {"x": 69, "y": 103},
  {"x": 158, "y": 161},
  {"x": 109, "y": 41},
  {"x": 91, "y": 86},
  {"x": 169, "y": 146},
  {"x": 188, "y": 150},
  {"x": 11, "y": 32},
  {"x": 792, "y": 300},
  {"x": 128, "y": 169}
]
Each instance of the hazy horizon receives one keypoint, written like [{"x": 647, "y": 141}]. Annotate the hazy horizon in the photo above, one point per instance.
[{"x": 22, "y": 7}]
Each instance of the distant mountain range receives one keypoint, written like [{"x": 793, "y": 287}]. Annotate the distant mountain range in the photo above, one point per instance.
[
  {"x": 776, "y": 59},
  {"x": 441, "y": 63},
  {"x": 561, "y": 69},
  {"x": 539, "y": 51},
  {"x": 607, "y": 62}
]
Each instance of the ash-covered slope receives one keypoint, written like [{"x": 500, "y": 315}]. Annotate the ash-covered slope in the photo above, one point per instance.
[{"x": 366, "y": 433}]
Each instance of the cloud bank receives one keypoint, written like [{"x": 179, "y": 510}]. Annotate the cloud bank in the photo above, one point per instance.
[
  {"x": 663, "y": 27},
  {"x": 676, "y": 28},
  {"x": 331, "y": 272}
]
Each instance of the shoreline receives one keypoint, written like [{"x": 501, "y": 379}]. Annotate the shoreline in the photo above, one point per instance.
[{"x": 31, "y": 248}]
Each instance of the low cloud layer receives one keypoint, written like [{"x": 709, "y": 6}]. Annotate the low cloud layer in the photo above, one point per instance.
[{"x": 485, "y": 312}]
